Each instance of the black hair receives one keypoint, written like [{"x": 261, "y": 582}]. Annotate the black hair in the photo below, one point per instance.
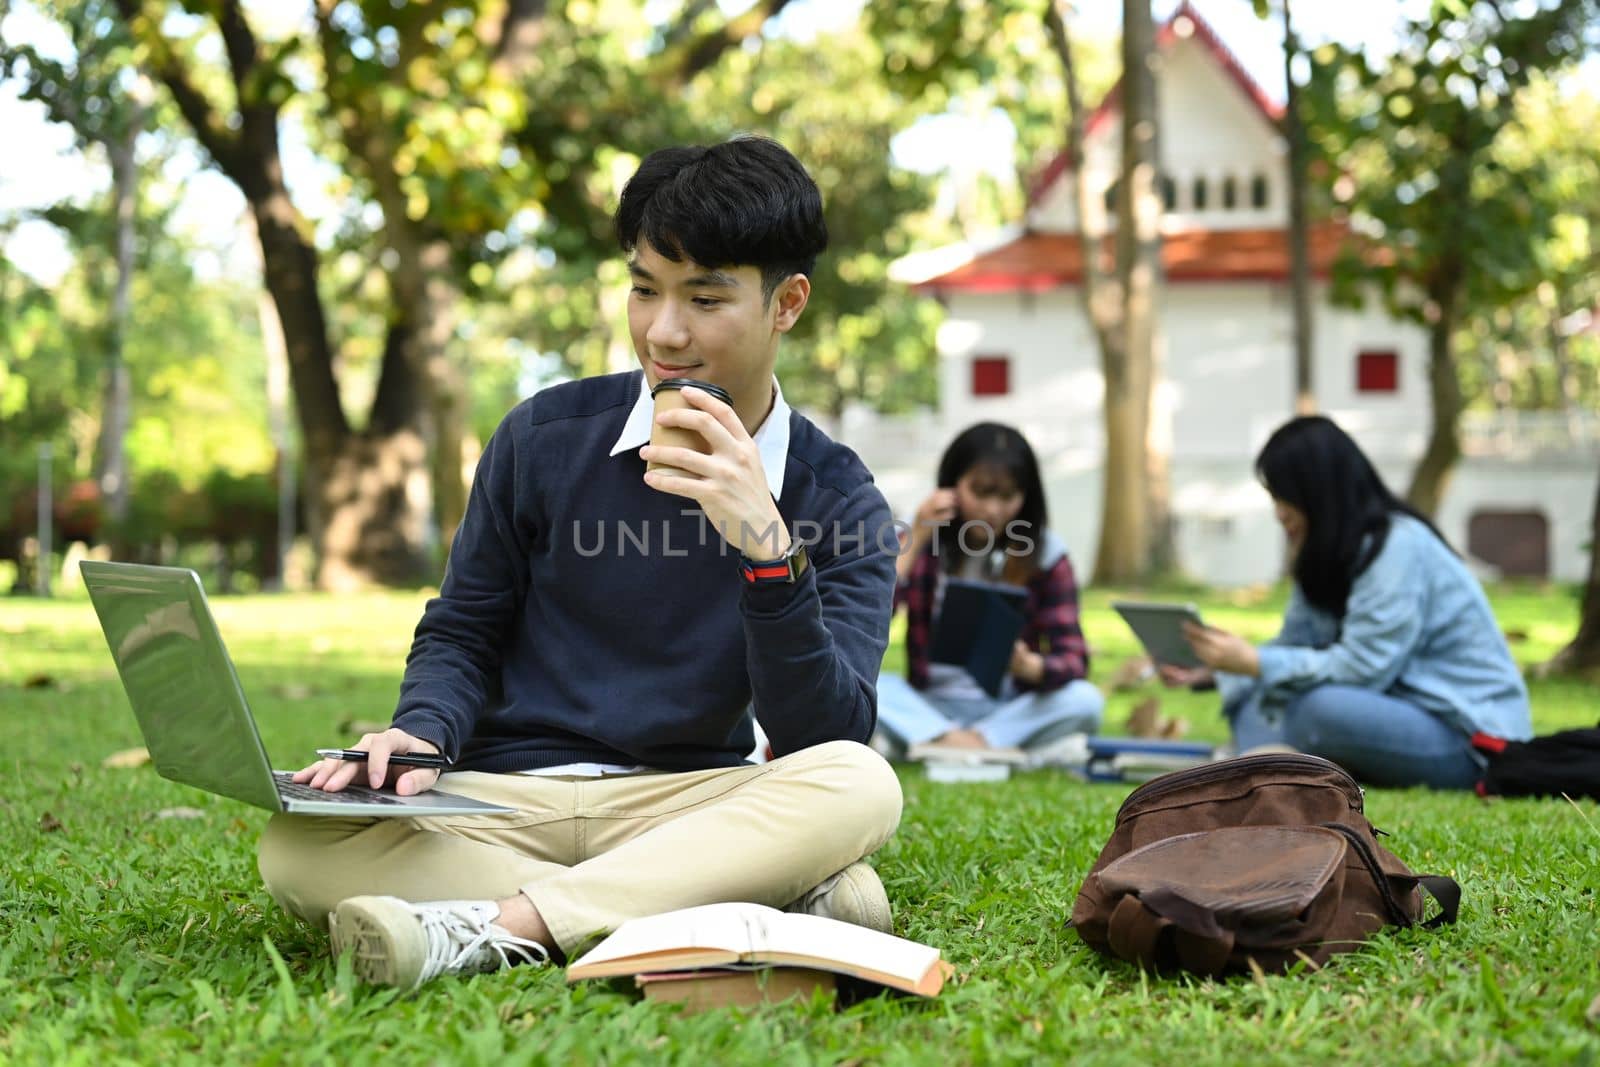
[
  {"x": 1313, "y": 465},
  {"x": 991, "y": 444},
  {"x": 744, "y": 202}
]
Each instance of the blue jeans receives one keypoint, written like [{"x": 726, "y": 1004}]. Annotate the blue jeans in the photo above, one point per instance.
[
  {"x": 1379, "y": 739},
  {"x": 907, "y": 716}
]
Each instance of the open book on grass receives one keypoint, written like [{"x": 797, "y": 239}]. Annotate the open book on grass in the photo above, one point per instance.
[{"x": 724, "y": 935}]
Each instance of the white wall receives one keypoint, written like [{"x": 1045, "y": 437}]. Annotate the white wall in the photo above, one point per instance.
[{"x": 1230, "y": 383}]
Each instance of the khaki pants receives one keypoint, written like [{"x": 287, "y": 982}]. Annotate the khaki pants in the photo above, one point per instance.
[{"x": 592, "y": 852}]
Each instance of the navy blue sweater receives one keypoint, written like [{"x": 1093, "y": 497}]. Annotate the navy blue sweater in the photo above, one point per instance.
[{"x": 584, "y": 616}]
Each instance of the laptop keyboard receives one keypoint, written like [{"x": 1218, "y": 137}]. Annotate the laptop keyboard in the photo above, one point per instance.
[{"x": 355, "y": 794}]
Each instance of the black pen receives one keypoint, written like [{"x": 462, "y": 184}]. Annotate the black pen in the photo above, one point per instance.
[{"x": 403, "y": 759}]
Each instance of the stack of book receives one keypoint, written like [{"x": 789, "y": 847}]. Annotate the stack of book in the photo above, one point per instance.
[
  {"x": 738, "y": 954},
  {"x": 1138, "y": 759}
]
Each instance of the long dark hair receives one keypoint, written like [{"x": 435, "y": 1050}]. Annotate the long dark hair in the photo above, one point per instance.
[
  {"x": 1313, "y": 465},
  {"x": 990, "y": 444}
]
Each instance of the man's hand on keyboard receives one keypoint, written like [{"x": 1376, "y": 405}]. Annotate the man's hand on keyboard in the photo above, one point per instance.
[{"x": 333, "y": 775}]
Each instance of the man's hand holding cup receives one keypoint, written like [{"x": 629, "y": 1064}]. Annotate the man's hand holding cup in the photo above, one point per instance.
[{"x": 699, "y": 449}]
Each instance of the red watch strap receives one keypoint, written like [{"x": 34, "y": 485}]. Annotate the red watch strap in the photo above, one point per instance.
[{"x": 757, "y": 572}]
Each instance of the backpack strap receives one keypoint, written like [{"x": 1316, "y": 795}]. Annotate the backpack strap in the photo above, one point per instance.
[
  {"x": 1447, "y": 891},
  {"x": 1134, "y": 930}
]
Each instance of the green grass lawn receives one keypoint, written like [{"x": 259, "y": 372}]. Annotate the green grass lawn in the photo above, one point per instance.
[{"x": 133, "y": 926}]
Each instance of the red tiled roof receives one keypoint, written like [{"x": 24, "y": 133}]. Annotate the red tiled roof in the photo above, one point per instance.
[
  {"x": 1270, "y": 109},
  {"x": 1036, "y": 262}
]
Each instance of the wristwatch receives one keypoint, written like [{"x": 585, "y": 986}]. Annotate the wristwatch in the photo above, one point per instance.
[{"x": 783, "y": 571}]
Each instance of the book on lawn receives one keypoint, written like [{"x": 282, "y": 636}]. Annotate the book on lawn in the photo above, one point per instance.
[
  {"x": 718, "y": 987},
  {"x": 744, "y": 936},
  {"x": 1138, "y": 759}
]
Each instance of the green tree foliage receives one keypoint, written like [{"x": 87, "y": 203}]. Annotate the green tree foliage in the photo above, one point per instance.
[
  {"x": 194, "y": 354},
  {"x": 966, "y": 57},
  {"x": 1541, "y": 351},
  {"x": 1460, "y": 222},
  {"x": 478, "y": 149},
  {"x": 862, "y": 338}
]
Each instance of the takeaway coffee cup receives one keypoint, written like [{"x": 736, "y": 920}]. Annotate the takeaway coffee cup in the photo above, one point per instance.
[{"x": 669, "y": 397}]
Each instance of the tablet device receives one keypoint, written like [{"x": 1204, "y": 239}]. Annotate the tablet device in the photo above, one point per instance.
[
  {"x": 977, "y": 627},
  {"x": 1159, "y": 628}
]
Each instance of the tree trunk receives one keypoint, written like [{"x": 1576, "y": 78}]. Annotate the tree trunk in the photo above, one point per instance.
[
  {"x": 365, "y": 510},
  {"x": 111, "y": 466},
  {"x": 427, "y": 302},
  {"x": 1123, "y": 549},
  {"x": 1583, "y": 654},
  {"x": 1121, "y": 514},
  {"x": 1135, "y": 523},
  {"x": 423, "y": 320},
  {"x": 1130, "y": 493},
  {"x": 1294, "y": 131},
  {"x": 1432, "y": 476},
  {"x": 277, "y": 577},
  {"x": 365, "y": 514},
  {"x": 375, "y": 491}
]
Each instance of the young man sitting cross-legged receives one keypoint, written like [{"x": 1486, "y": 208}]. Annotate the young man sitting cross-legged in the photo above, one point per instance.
[{"x": 603, "y": 632}]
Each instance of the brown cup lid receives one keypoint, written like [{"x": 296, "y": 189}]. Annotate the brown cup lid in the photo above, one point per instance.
[{"x": 680, "y": 383}]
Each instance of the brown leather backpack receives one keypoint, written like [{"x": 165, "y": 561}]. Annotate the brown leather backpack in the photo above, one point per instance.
[{"x": 1266, "y": 858}]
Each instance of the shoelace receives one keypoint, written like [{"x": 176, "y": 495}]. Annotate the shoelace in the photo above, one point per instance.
[{"x": 454, "y": 938}]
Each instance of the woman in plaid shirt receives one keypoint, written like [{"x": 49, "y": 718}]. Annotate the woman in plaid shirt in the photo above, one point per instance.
[{"x": 987, "y": 521}]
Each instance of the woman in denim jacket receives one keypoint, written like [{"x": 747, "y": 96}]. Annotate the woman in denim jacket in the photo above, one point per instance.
[{"x": 1390, "y": 658}]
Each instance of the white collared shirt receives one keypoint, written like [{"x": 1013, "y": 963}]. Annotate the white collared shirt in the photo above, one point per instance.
[
  {"x": 771, "y": 437},
  {"x": 772, "y": 440}
]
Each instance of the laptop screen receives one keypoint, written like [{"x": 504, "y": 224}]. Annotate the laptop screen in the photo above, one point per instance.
[{"x": 180, "y": 681}]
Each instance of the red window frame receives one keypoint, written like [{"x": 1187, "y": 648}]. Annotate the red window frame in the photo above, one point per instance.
[
  {"x": 1378, "y": 371},
  {"x": 991, "y": 375}
]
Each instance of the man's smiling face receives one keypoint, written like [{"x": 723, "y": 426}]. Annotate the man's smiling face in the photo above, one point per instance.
[{"x": 690, "y": 321}]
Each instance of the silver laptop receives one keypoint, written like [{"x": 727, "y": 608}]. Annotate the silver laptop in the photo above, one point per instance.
[{"x": 191, "y": 710}]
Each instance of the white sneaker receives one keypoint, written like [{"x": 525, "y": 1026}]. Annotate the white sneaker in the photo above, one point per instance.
[
  {"x": 854, "y": 895},
  {"x": 397, "y": 943}
]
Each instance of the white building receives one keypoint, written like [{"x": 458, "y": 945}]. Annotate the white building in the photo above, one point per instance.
[{"x": 1016, "y": 348}]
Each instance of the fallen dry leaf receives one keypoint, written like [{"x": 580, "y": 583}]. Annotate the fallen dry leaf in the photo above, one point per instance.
[
  {"x": 1594, "y": 1011},
  {"x": 39, "y": 681},
  {"x": 293, "y": 691},
  {"x": 1130, "y": 673},
  {"x": 48, "y": 823},
  {"x": 356, "y": 727},
  {"x": 1516, "y": 636},
  {"x": 180, "y": 813},
  {"x": 1174, "y": 728},
  {"x": 1145, "y": 719},
  {"x": 128, "y": 757}
]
